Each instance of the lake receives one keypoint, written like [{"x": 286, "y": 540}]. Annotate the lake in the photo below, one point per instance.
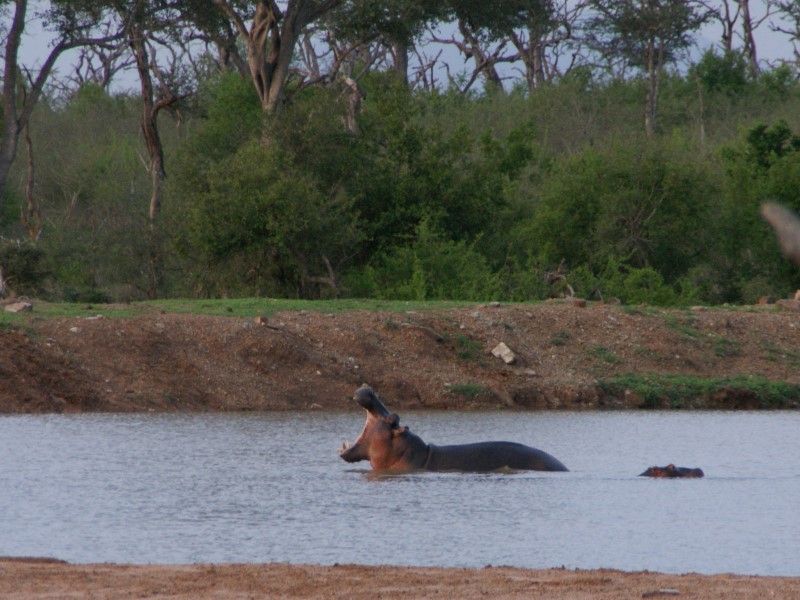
[{"x": 270, "y": 487}]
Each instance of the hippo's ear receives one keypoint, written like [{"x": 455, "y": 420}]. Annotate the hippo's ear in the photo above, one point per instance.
[{"x": 399, "y": 431}]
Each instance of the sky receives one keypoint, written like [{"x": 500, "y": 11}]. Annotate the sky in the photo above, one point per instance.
[{"x": 771, "y": 47}]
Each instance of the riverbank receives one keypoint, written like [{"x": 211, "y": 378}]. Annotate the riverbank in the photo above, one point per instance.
[
  {"x": 558, "y": 355},
  {"x": 36, "y": 579}
]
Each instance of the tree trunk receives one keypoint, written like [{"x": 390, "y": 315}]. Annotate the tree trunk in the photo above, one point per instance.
[
  {"x": 483, "y": 64},
  {"x": 30, "y": 214},
  {"x": 11, "y": 121},
  {"x": 400, "y": 53},
  {"x": 149, "y": 122},
  {"x": 651, "y": 108},
  {"x": 270, "y": 42},
  {"x": 749, "y": 39},
  {"x": 155, "y": 153}
]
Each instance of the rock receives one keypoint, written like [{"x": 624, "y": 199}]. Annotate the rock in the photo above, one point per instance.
[
  {"x": 766, "y": 300},
  {"x": 797, "y": 295},
  {"x": 661, "y": 592},
  {"x": 504, "y": 352},
  {"x": 18, "y": 307},
  {"x": 579, "y": 302}
]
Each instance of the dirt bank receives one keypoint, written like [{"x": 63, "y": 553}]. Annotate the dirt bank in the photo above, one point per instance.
[
  {"x": 437, "y": 359},
  {"x": 33, "y": 580}
]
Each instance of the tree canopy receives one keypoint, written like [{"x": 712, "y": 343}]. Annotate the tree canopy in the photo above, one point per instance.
[{"x": 418, "y": 150}]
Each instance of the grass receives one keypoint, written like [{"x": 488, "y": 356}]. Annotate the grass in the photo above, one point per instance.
[
  {"x": 240, "y": 307},
  {"x": 560, "y": 338},
  {"x": 684, "y": 324},
  {"x": 775, "y": 353},
  {"x": 604, "y": 354},
  {"x": 724, "y": 347},
  {"x": 468, "y": 390},
  {"x": 679, "y": 391},
  {"x": 467, "y": 348}
]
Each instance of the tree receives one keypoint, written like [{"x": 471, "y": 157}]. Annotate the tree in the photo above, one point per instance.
[
  {"x": 490, "y": 31},
  {"x": 548, "y": 27},
  {"x": 789, "y": 11},
  {"x": 648, "y": 34},
  {"x": 72, "y": 22},
  {"x": 730, "y": 13},
  {"x": 271, "y": 39}
]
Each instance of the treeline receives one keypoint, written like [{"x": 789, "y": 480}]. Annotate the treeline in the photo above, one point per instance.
[{"x": 433, "y": 195}]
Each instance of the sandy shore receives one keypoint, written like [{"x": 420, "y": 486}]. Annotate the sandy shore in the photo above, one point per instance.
[{"x": 32, "y": 579}]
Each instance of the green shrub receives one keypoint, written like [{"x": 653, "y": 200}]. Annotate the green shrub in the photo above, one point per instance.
[
  {"x": 23, "y": 268},
  {"x": 431, "y": 268}
]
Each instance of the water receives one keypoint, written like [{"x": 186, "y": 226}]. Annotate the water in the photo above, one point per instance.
[{"x": 270, "y": 487}]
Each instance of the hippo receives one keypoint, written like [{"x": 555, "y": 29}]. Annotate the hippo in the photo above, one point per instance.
[
  {"x": 391, "y": 448},
  {"x": 673, "y": 471}
]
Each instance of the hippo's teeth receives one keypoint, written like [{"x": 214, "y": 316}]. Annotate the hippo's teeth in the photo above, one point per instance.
[{"x": 345, "y": 445}]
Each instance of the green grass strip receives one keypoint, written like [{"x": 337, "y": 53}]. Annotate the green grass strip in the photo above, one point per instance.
[{"x": 681, "y": 391}]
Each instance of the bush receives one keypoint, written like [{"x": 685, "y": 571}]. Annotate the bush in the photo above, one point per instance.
[
  {"x": 432, "y": 268},
  {"x": 630, "y": 285},
  {"x": 23, "y": 268},
  {"x": 259, "y": 226},
  {"x": 646, "y": 206}
]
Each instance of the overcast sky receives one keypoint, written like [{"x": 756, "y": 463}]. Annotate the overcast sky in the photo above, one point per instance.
[{"x": 771, "y": 47}]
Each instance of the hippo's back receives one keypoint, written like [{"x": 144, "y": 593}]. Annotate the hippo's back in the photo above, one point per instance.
[{"x": 491, "y": 456}]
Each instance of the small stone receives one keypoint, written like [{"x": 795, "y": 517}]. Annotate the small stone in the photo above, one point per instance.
[{"x": 18, "y": 307}]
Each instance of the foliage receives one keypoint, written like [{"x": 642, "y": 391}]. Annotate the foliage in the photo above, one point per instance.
[
  {"x": 23, "y": 268},
  {"x": 431, "y": 268},
  {"x": 262, "y": 226},
  {"x": 761, "y": 165},
  {"x": 633, "y": 28},
  {"x": 644, "y": 206},
  {"x": 726, "y": 73},
  {"x": 434, "y": 194}
]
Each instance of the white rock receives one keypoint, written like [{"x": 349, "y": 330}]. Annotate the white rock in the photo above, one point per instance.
[{"x": 504, "y": 352}]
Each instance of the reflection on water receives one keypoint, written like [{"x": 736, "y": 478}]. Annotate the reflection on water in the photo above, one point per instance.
[{"x": 270, "y": 487}]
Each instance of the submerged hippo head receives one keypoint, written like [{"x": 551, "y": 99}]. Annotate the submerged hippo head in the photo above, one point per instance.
[
  {"x": 671, "y": 471},
  {"x": 386, "y": 445}
]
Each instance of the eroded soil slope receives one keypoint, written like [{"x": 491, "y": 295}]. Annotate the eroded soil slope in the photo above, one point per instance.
[{"x": 438, "y": 359}]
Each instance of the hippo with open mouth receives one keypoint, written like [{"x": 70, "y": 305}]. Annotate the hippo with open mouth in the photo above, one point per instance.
[{"x": 391, "y": 448}]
